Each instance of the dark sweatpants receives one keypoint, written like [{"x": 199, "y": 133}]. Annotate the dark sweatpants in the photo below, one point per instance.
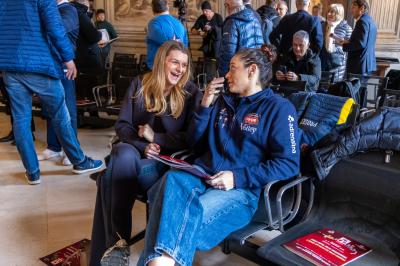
[{"x": 127, "y": 175}]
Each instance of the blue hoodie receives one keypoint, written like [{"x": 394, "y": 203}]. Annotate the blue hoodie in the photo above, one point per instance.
[{"x": 255, "y": 137}]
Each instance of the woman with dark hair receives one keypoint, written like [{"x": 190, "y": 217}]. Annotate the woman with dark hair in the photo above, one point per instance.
[
  {"x": 153, "y": 119},
  {"x": 248, "y": 138},
  {"x": 332, "y": 55}
]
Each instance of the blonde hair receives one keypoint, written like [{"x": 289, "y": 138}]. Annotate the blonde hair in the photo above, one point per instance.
[
  {"x": 339, "y": 11},
  {"x": 154, "y": 82}
]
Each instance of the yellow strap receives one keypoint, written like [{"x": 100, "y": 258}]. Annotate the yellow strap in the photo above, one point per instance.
[{"x": 346, "y": 110}]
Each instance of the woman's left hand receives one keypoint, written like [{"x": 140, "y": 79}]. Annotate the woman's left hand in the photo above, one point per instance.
[
  {"x": 292, "y": 76},
  {"x": 146, "y": 132},
  {"x": 223, "y": 180}
]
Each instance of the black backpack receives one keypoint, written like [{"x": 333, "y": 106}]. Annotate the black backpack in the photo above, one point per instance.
[
  {"x": 350, "y": 88},
  {"x": 394, "y": 79}
]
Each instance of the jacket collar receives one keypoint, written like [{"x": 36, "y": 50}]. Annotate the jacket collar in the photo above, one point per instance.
[{"x": 234, "y": 100}]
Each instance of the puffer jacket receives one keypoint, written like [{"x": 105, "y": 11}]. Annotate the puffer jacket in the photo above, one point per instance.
[
  {"x": 308, "y": 68},
  {"x": 381, "y": 131},
  {"x": 240, "y": 30},
  {"x": 33, "y": 38},
  {"x": 319, "y": 114},
  {"x": 337, "y": 59}
]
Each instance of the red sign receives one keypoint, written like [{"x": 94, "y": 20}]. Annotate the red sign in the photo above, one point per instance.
[{"x": 327, "y": 247}]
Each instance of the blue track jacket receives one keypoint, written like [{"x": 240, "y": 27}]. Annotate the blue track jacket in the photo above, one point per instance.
[{"x": 255, "y": 137}]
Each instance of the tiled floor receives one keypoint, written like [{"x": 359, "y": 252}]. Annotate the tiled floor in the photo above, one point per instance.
[{"x": 37, "y": 220}]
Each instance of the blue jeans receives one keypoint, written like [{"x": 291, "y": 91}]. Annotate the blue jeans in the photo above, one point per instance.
[
  {"x": 70, "y": 100},
  {"x": 20, "y": 87},
  {"x": 186, "y": 216}
]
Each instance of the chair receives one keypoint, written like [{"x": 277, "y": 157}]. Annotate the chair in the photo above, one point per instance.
[
  {"x": 278, "y": 206},
  {"x": 360, "y": 198},
  {"x": 327, "y": 78},
  {"x": 374, "y": 86},
  {"x": 285, "y": 88}
]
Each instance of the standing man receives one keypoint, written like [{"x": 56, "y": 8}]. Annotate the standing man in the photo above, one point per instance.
[
  {"x": 69, "y": 17},
  {"x": 102, "y": 23},
  {"x": 241, "y": 29},
  {"x": 282, "y": 8},
  {"x": 317, "y": 12},
  {"x": 209, "y": 26},
  {"x": 361, "y": 46},
  {"x": 290, "y": 24},
  {"x": 163, "y": 27},
  {"x": 34, "y": 49},
  {"x": 269, "y": 11}
]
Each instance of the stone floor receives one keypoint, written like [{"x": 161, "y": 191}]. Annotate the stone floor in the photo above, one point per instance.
[{"x": 37, "y": 220}]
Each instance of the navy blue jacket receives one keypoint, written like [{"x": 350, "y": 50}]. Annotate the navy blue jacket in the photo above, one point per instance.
[
  {"x": 361, "y": 49},
  {"x": 240, "y": 30},
  {"x": 282, "y": 35},
  {"x": 87, "y": 50},
  {"x": 33, "y": 38},
  {"x": 170, "y": 133},
  {"x": 70, "y": 19},
  {"x": 255, "y": 137}
]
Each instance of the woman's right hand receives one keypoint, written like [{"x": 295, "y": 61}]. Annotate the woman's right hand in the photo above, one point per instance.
[
  {"x": 280, "y": 76},
  {"x": 152, "y": 149},
  {"x": 211, "y": 91}
]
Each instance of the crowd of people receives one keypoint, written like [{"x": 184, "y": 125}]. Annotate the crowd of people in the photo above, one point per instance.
[{"x": 242, "y": 138}]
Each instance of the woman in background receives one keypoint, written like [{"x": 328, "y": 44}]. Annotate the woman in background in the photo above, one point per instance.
[{"x": 332, "y": 55}]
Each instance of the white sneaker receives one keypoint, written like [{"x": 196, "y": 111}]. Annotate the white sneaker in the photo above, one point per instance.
[
  {"x": 48, "y": 154},
  {"x": 65, "y": 161}
]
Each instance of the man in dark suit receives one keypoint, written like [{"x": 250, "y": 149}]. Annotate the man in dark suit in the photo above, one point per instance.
[
  {"x": 282, "y": 35},
  {"x": 361, "y": 46}
]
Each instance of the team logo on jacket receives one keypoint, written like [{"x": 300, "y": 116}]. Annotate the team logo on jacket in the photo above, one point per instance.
[
  {"x": 291, "y": 133},
  {"x": 250, "y": 123}
]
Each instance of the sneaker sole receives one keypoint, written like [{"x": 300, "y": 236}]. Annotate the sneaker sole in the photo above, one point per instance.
[
  {"x": 48, "y": 158},
  {"x": 36, "y": 182},
  {"x": 86, "y": 170}
]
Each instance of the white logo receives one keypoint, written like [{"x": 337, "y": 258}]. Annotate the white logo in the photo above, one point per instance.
[
  {"x": 291, "y": 130},
  {"x": 306, "y": 122},
  {"x": 248, "y": 128}
]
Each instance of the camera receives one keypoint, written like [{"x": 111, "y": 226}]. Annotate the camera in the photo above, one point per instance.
[{"x": 181, "y": 6}]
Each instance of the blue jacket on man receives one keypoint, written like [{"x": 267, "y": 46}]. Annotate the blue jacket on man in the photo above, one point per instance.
[
  {"x": 160, "y": 29},
  {"x": 240, "y": 30},
  {"x": 255, "y": 137},
  {"x": 25, "y": 45},
  {"x": 282, "y": 35},
  {"x": 361, "y": 47}
]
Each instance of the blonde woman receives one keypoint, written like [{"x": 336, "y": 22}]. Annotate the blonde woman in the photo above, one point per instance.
[
  {"x": 332, "y": 54},
  {"x": 153, "y": 120}
]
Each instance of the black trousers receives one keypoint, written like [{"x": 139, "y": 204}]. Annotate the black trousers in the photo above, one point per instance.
[{"x": 126, "y": 176}]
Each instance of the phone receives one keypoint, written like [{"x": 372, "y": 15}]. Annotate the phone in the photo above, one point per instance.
[{"x": 283, "y": 69}]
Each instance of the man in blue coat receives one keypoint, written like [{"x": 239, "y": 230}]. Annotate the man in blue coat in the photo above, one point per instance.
[
  {"x": 241, "y": 30},
  {"x": 282, "y": 35},
  {"x": 163, "y": 27},
  {"x": 361, "y": 46},
  {"x": 35, "y": 55}
]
